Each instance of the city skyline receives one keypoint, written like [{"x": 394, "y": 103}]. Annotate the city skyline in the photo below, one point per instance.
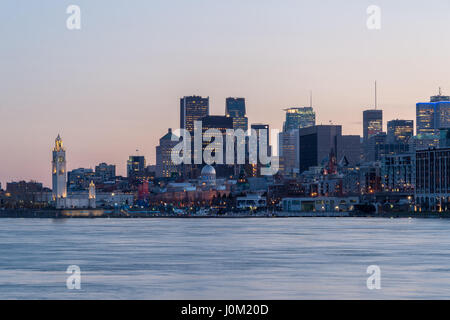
[{"x": 108, "y": 99}]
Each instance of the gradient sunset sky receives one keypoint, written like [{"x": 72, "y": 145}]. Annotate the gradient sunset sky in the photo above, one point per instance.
[{"x": 114, "y": 86}]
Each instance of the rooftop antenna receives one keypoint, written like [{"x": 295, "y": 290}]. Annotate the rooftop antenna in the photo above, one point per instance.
[
  {"x": 310, "y": 99},
  {"x": 440, "y": 91},
  {"x": 376, "y": 95}
]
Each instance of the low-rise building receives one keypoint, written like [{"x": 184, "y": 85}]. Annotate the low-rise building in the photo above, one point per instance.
[
  {"x": 319, "y": 204},
  {"x": 433, "y": 179}
]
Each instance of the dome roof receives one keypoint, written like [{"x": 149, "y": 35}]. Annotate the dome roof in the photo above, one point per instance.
[{"x": 208, "y": 171}]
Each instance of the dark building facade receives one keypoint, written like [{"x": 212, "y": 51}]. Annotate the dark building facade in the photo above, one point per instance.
[
  {"x": 235, "y": 108},
  {"x": 136, "y": 168},
  {"x": 433, "y": 179},
  {"x": 400, "y": 131},
  {"x": 192, "y": 109},
  {"x": 105, "y": 172},
  {"x": 317, "y": 143},
  {"x": 372, "y": 123}
]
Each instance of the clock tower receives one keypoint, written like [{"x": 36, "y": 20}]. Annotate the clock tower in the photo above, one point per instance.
[{"x": 59, "y": 175}]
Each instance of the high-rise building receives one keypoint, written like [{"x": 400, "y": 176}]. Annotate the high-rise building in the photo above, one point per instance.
[
  {"x": 372, "y": 123},
  {"x": 349, "y": 150},
  {"x": 165, "y": 168},
  {"x": 261, "y": 128},
  {"x": 288, "y": 140},
  {"x": 378, "y": 147},
  {"x": 400, "y": 131},
  {"x": 192, "y": 109},
  {"x": 136, "y": 167},
  {"x": 221, "y": 123},
  {"x": 316, "y": 144},
  {"x": 297, "y": 118},
  {"x": 59, "y": 174},
  {"x": 288, "y": 144},
  {"x": 434, "y": 115},
  {"x": 235, "y": 108}
]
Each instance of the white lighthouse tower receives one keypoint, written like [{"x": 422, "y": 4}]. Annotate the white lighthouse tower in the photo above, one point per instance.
[{"x": 59, "y": 175}]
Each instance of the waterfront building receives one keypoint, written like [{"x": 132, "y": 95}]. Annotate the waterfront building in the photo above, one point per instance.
[
  {"x": 398, "y": 173},
  {"x": 251, "y": 202},
  {"x": 235, "y": 108},
  {"x": 63, "y": 199},
  {"x": 433, "y": 179},
  {"x": 208, "y": 176},
  {"x": 320, "y": 204},
  {"x": 23, "y": 187},
  {"x": 59, "y": 174},
  {"x": 192, "y": 108}
]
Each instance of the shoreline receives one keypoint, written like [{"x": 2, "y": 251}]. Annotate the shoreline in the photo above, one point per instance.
[{"x": 109, "y": 214}]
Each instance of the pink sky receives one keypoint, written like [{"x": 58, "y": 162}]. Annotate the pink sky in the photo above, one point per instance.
[{"x": 114, "y": 86}]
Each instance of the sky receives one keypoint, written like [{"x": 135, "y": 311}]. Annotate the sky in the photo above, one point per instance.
[{"x": 114, "y": 86}]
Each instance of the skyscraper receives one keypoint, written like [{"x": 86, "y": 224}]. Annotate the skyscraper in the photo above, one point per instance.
[
  {"x": 288, "y": 144},
  {"x": 288, "y": 140},
  {"x": 434, "y": 115},
  {"x": 257, "y": 127},
  {"x": 59, "y": 175},
  {"x": 235, "y": 108},
  {"x": 400, "y": 131},
  {"x": 297, "y": 118},
  {"x": 192, "y": 109},
  {"x": 372, "y": 123},
  {"x": 317, "y": 143},
  {"x": 260, "y": 126},
  {"x": 135, "y": 167},
  {"x": 164, "y": 164}
]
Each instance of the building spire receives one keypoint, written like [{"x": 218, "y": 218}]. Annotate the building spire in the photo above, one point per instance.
[
  {"x": 58, "y": 143},
  {"x": 376, "y": 102}
]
